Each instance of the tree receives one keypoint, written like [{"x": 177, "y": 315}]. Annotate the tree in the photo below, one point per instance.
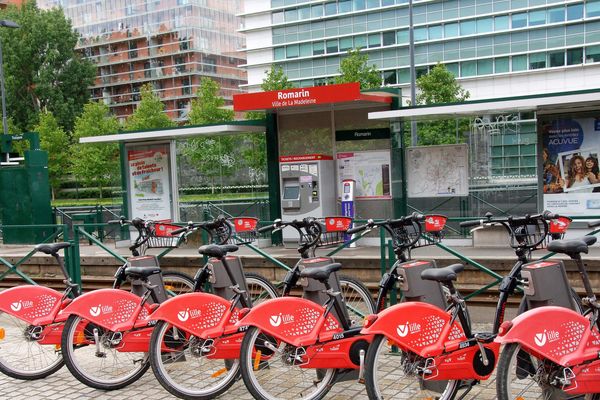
[
  {"x": 55, "y": 141},
  {"x": 96, "y": 164},
  {"x": 275, "y": 79},
  {"x": 440, "y": 86},
  {"x": 43, "y": 70},
  {"x": 355, "y": 68},
  {"x": 212, "y": 156},
  {"x": 149, "y": 113}
]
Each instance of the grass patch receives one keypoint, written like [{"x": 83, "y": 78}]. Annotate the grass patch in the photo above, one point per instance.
[{"x": 184, "y": 198}]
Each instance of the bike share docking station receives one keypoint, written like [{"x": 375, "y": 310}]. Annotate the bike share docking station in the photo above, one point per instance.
[{"x": 316, "y": 146}]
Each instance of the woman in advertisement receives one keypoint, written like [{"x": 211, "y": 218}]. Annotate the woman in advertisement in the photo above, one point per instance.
[
  {"x": 553, "y": 183},
  {"x": 578, "y": 176}
]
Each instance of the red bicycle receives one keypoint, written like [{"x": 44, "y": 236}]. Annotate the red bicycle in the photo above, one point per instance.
[
  {"x": 417, "y": 345},
  {"x": 297, "y": 348},
  {"x": 31, "y": 321},
  {"x": 553, "y": 353},
  {"x": 194, "y": 348}
]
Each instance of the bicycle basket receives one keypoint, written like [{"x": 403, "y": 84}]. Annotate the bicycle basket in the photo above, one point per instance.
[
  {"x": 161, "y": 237},
  {"x": 408, "y": 233},
  {"x": 528, "y": 235},
  {"x": 244, "y": 230},
  {"x": 334, "y": 231}
]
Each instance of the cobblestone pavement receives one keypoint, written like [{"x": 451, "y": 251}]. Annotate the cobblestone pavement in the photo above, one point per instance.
[{"x": 63, "y": 386}]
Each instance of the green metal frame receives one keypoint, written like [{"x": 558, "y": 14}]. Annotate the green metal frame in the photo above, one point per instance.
[{"x": 13, "y": 268}]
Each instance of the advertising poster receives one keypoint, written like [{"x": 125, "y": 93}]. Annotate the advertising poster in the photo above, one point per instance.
[
  {"x": 570, "y": 175},
  {"x": 369, "y": 169},
  {"x": 149, "y": 182}
]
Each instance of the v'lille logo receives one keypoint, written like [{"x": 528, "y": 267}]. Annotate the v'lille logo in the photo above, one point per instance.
[
  {"x": 275, "y": 320},
  {"x": 402, "y": 330},
  {"x": 16, "y": 307},
  {"x": 540, "y": 339},
  {"x": 95, "y": 311},
  {"x": 183, "y": 315}
]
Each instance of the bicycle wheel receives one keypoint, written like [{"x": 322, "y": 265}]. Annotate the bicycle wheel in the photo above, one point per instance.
[
  {"x": 390, "y": 374},
  {"x": 260, "y": 288},
  {"x": 358, "y": 299},
  {"x": 177, "y": 283},
  {"x": 271, "y": 370},
  {"x": 90, "y": 354},
  {"x": 520, "y": 375},
  {"x": 187, "y": 371},
  {"x": 21, "y": 356}
]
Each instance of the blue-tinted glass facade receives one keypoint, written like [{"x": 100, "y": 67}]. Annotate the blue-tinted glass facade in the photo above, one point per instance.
[{"x": 471, "y": 37}]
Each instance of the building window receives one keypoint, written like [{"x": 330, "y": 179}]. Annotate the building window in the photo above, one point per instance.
[
  {"x": 556, "y": 15},
  {"x": 556, "y": 58},
  {"x": 344, "y": 6},
  {"x": 389, "y": 77},
  {"x": 519, "y": 63},
  {"x": 316, "y": 11},
  {"x": 435, "y": 32},
  {"x": 360, "y": 42},
  {"x": 373, "y": 3},
  {"x": 292, "y": 51},
  {"x": 389, "y": 38},
  {"x": 346, "y": 44},
  {"x": 453, "y": 68},
  {"x": 485, "y": 67},
  {"x": 501, "y": 65},
  {"x": 519, "y": 20},
  {"x": 279, "y": 53},
  {"x": 305, "y": 50},
  {"x": 291, "y": 15},
  {"x": 537, "y": 61},
  {"x": 468, "y": 28},
  {"x": 420, "y": 34},
  {"x": 575, "y": 56},
  {"x": 359, "y": 5},
  {"x": 574, "y": 12},
  {"x": 375, "y": 40},
  {"x": 592, "y": 54},
  {"x": 468, "y": 68},
  {"x": 592, "y": 9},
  {"x": 537, "y": 17},
  {"x": 318, "y": 48},
  {"x": 451, "y": 30},
  {"x": 485, "y": 25},
  {"x": 402, "y": 36},
  {"x": 332, "y": 46},
  {"x": 501, "y": 23}
]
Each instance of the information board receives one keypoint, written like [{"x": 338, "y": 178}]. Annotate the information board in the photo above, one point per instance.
[
  {"x": 435, "y": 171},
  {"x": 369, "y": 169},
  {"x": 149, "y": 182}
]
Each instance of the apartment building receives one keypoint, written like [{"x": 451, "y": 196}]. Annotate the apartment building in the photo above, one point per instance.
[{"x": 169, "y": 44}]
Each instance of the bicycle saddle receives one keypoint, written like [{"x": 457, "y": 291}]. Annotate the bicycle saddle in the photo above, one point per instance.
[
  {"x": 568, "y": 246},
  {"x": 214, "y": 250},
  {"x": 445, "y": 274},
  {"x": 141, "y": 272},
  {"x": 320, "y": 273},
  {"x": 588, "y": 239},
  {"x": 52, "y": 248}
]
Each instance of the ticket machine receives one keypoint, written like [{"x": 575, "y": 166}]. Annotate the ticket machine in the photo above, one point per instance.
[{"x": 307, "y": 188}]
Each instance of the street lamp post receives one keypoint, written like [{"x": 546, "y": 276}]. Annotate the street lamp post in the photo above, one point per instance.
[{"x": 6, "y": 24}]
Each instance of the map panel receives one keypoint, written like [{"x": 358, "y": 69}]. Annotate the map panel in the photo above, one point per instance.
[{"x": 438, "y": 170}]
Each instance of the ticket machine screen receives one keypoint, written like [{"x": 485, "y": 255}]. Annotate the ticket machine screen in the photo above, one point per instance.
[{"x": 291, "y": 192}]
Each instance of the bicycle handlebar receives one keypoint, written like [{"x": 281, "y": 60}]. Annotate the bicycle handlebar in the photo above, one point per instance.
[
  {"x": 594, "y": 224},
  {"x": 312, "y": 229},
  {"x": 544, "y": 216}
]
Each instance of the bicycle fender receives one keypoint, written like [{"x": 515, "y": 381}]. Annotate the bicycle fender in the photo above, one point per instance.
[
  {"x": 36, "y": 305},
  {"x": 201, "y": 314},
  {"x": 291, "y": 319},
  {"x": 416, "y": 327},
  {"x": 553, "y": 333},
  {"x": 112, "y": 309}
]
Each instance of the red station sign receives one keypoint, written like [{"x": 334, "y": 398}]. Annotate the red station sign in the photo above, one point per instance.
[{"x": 302, "y": 97}]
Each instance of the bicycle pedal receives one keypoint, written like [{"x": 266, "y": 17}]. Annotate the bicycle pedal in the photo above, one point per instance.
[{"x": 485, "y": 337}]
